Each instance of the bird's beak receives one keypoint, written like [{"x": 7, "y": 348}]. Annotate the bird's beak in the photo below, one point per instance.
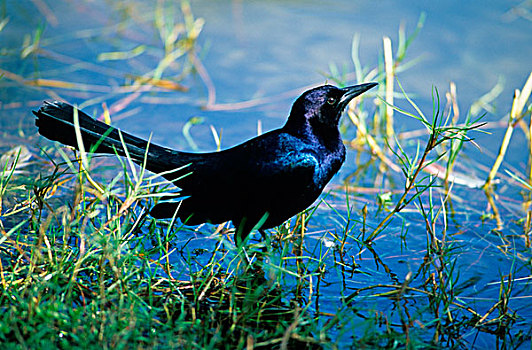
[{"x": 351, "y": 92}]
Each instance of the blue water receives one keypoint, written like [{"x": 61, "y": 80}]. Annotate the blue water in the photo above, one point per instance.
[
  {"x": 267, "y": 53},
  {"x": 260, "y": 49}
]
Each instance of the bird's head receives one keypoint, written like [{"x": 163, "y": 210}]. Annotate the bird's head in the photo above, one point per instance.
[{"x": 323, "y": 106}]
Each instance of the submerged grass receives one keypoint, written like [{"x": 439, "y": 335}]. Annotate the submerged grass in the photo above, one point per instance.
[
  {"x": 82, "y": 265},
  {"x": 438, "y": 277}
]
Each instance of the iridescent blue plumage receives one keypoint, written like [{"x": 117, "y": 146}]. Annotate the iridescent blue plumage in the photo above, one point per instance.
[{"x": 264, "y": 180}]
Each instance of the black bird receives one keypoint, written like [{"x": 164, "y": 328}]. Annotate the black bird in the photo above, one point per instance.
[{"x": 258, "y": 184}]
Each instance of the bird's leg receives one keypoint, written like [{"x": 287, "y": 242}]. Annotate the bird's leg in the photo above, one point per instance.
[
  {"x": 264, "y": 241},
  {"x": 262, "y": 233}
]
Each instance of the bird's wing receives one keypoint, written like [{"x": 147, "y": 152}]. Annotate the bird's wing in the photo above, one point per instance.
[
  {"x": 292, "y": 168},
  {"x": 265, "y": 173}
]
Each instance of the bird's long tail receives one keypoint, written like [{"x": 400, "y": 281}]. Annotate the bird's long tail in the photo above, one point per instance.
[{"x": 56, "y": 121}]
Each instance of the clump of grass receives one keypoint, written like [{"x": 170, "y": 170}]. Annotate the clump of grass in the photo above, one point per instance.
[
  {"x": 96, "y": 270},
  {"x": 445, "y": 314}
]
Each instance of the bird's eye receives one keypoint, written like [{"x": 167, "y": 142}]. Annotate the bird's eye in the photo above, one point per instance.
[{"x": 331, "y": 100}]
